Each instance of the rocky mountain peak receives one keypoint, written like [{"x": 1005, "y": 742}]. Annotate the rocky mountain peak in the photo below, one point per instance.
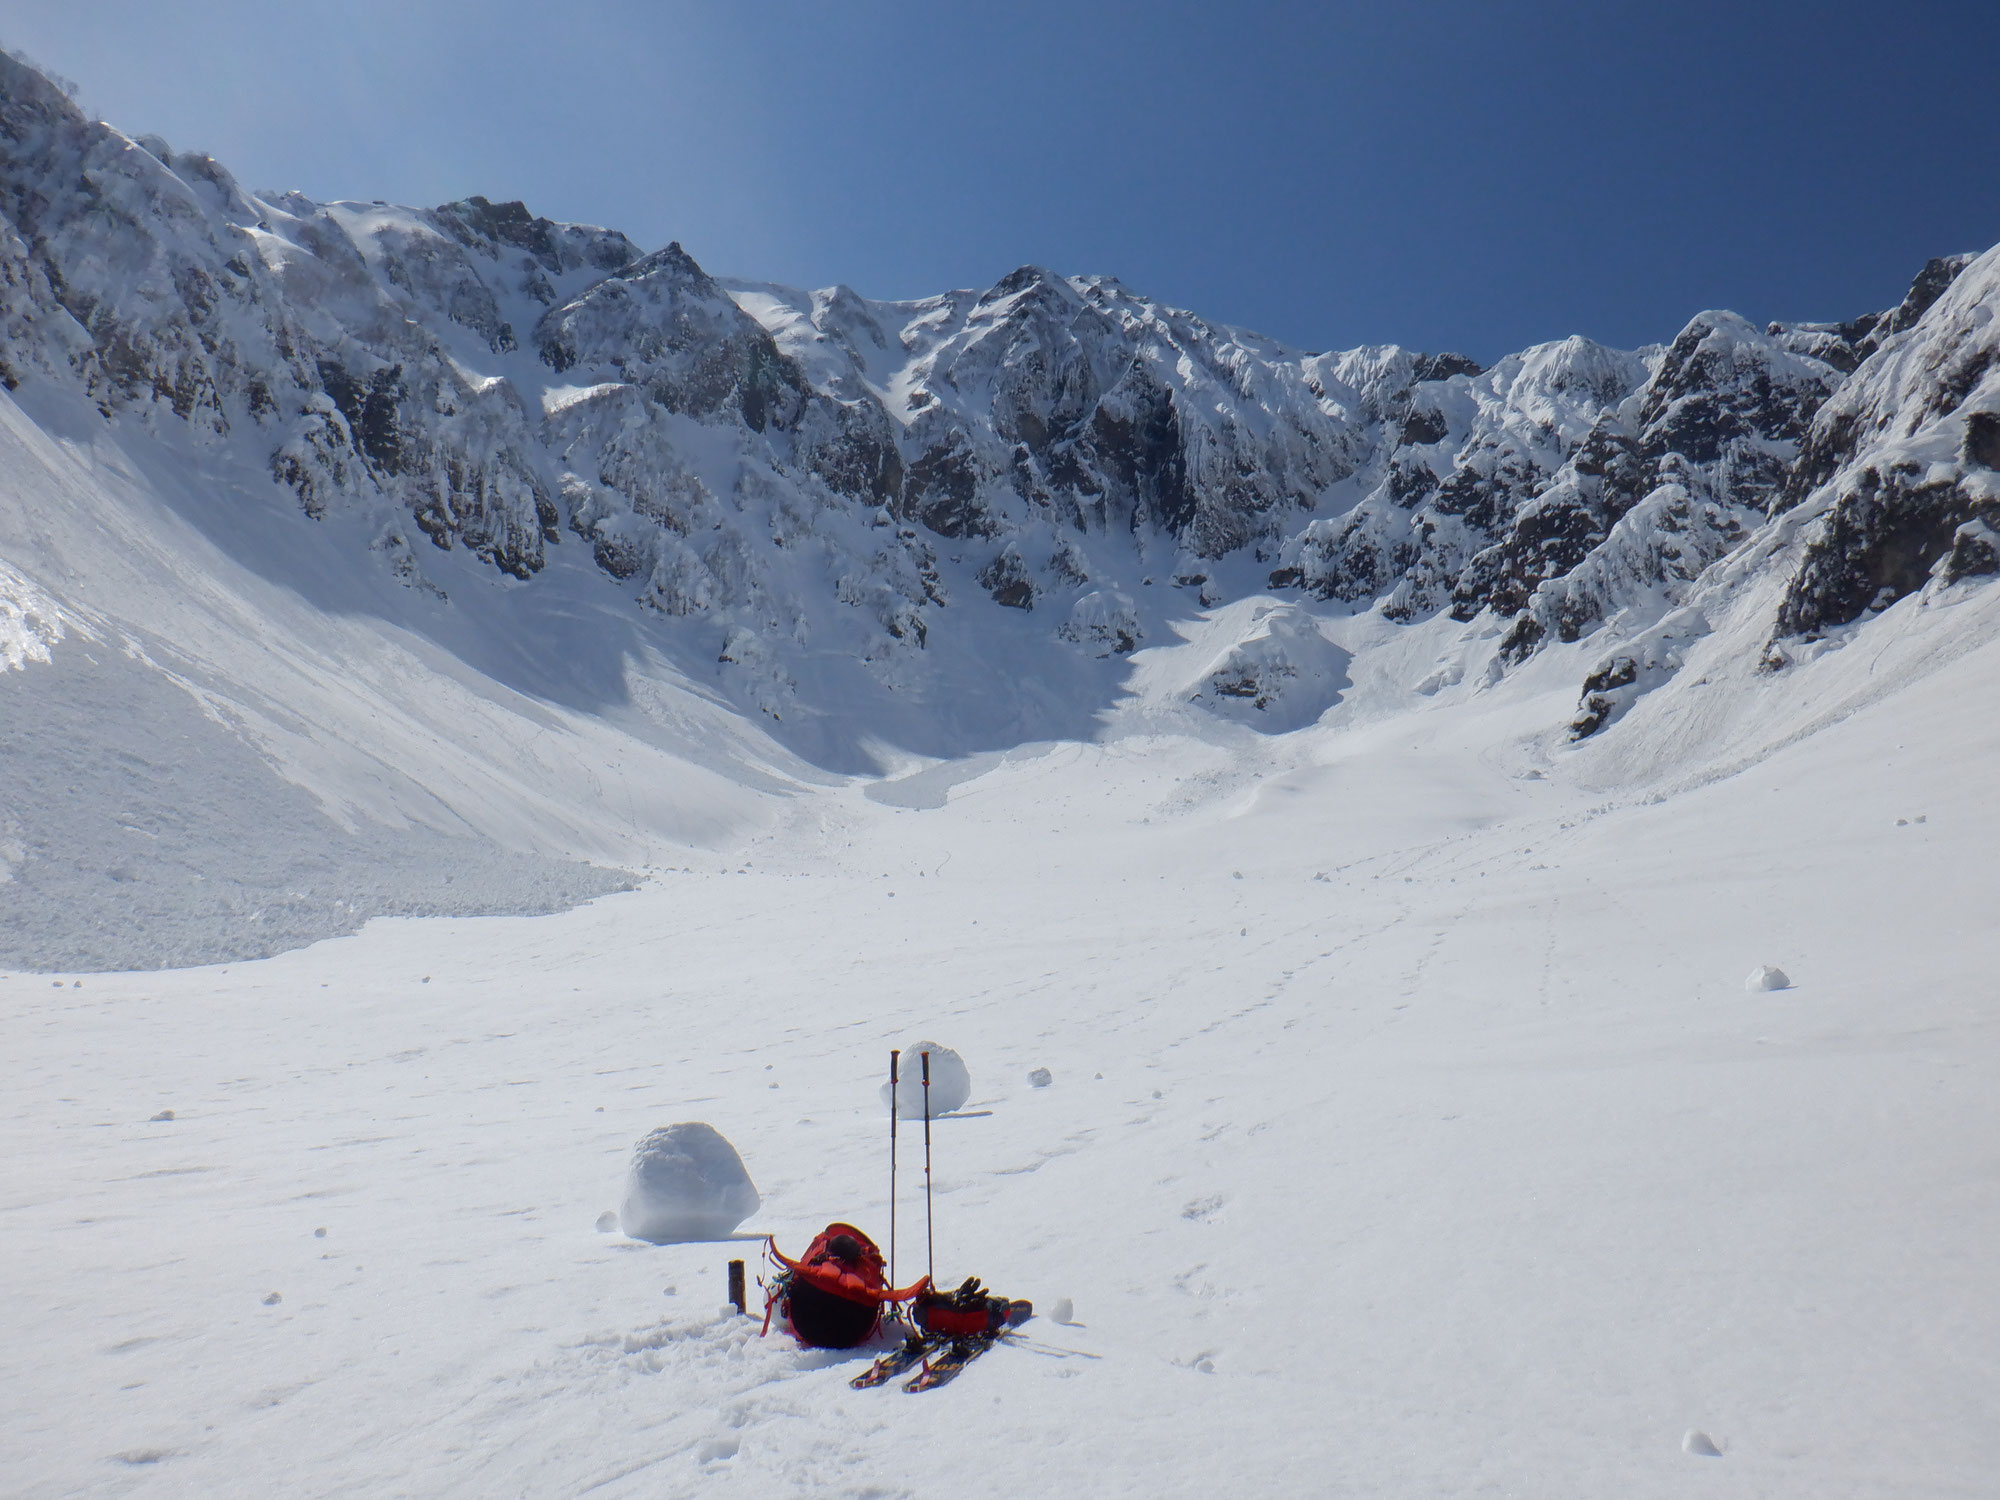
[{"x": 789, "y": 473}]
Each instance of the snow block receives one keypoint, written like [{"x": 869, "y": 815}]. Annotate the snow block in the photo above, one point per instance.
[
  {"x": 686, "y": 1183},
  {"x": 951, "y": 1082},
  {"x": 1764, "y": 977}
]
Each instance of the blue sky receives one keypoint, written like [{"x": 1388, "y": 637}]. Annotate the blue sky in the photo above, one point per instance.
[{"x": 1438, "y": 173}]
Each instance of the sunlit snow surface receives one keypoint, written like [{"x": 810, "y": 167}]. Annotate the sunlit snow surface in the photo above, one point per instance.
[
  {"x": 1411, "y": 1132},
  {"x": 1469, "y": 1168}
]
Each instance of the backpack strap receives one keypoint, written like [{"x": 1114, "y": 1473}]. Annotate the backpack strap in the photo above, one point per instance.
[{"x": 775, "y": 1289}]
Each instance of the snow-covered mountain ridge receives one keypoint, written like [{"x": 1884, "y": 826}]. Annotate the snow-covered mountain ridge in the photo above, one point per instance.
[
  {"x": 796, "y": 475},
  {"x": 473, "y": 693}
]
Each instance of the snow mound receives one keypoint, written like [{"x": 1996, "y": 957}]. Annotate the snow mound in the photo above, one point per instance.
[
  {"x": 951, "y": 1081},
  {"x": 686, "y": 1183},
  {"x": 1764, "y": 977},
  {"x": 1281, "y": 675}
]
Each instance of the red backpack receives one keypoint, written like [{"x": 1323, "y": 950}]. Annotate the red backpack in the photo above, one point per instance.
[{"x": 833, "y": 1295}]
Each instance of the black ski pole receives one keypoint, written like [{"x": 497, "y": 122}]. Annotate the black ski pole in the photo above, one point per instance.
[
  {"x": 930, "y": 1243},
  {"x": 893, "y": 1055}
]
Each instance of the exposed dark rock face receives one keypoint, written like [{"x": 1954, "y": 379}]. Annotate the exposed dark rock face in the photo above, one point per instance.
[
  {"x": 1444, "y": 366},
  {"x": 1556, "y": 529},
  {"x": 1600, "y": 695},
  {"x": 1975, "y": 550},
  {"x": 942, "y": 491},
  {"x": 1981, "y": 448},
  {"x": 556, "y": 249},
  {"x": 1932, "y": 283},
  {"x": 1883, "y": 539},
  {"x": 1007, "y": 579},
  {"x": 1903, "y": 459},
  {"x": 1724, "y": 391}
]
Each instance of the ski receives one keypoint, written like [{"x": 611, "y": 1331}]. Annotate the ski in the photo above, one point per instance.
[
  {"x": 949, "y": 1358},
  {"x": 942, "y": 1355},
  {"x": 894, "y": 1363},
  {"x": 946, "y": 1365}
]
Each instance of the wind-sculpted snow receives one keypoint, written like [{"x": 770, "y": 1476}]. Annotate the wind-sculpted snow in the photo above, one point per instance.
[{"x": 783, "y": 477}]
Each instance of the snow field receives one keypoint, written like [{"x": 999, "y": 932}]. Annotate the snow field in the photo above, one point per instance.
[
  {"x": 141, "y": 827},
  {"x": 1467, "y": 1169},
  {"x": 1381, "y": 1087}
]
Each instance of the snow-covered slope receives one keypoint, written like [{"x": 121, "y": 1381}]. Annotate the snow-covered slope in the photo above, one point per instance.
[
  {"x": 1410, "y": 1133},
  {"x": 830, "y": 504},
  {"x": 568, "y": 477},
  {"x": 467, "y": 462},
  {"x": 227, "y": 735}
]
